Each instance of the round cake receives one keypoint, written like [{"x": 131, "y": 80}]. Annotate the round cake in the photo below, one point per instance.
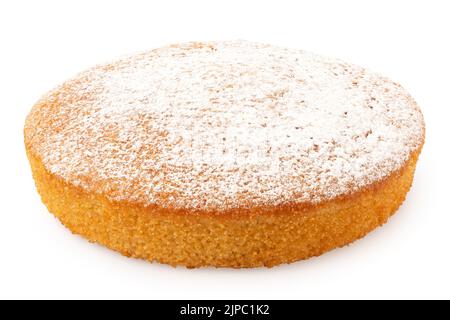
[{"x": 226, "y": 154}]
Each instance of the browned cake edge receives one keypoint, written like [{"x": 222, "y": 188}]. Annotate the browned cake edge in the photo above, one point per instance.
[{"x": 239, "y": 238}]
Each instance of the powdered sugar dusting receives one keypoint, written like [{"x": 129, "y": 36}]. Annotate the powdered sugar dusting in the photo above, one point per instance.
[{"x": 224, "y": 125}]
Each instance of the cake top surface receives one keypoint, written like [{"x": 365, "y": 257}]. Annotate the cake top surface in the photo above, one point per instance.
[{"x": 220, "y": 125}]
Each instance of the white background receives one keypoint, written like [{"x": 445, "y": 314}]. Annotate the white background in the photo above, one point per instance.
[{"x": 42, "y": 43}]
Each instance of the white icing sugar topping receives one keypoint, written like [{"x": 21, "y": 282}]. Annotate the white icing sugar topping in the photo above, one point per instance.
[{"x": 221, "y": 125}]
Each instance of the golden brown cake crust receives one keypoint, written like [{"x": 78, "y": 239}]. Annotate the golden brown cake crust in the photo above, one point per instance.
[
  {"x": 227, "y": 154},
  {"x": 240, "y": 238}
]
